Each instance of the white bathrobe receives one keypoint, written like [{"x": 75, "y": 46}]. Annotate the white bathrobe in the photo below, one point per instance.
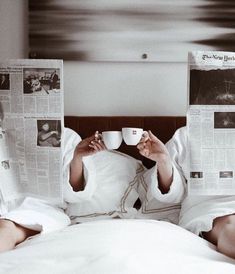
[
  {"x": 41, "y": 216},
  {"x": 197, "y": 212},
  {"x": 37, "y": 214}
]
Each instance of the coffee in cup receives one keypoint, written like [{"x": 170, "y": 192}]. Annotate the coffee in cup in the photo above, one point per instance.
[
  {"x": 112, "y": 139},
  {"x": 132, "y": 135}
]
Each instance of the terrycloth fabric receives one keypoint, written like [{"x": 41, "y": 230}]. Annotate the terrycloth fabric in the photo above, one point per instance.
[
  {"x": 197, "y": 212},
  {"x": 37, "y": 214},
  {"x": 114, "y": 181}
]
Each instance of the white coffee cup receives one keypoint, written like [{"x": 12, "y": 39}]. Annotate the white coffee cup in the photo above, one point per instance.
[
  {"x": 112, "y": 139},
  {"x": 132, "y": 135}
]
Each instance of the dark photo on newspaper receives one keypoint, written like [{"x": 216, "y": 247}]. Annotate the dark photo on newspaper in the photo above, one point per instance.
[
  {"x": 41, "y": 81},
  {"x": 4, "y": 81},
  {"x": 214, "y": 86},
  {"x": 49, "y": 133},
  {"x": 224, "y": 119}
]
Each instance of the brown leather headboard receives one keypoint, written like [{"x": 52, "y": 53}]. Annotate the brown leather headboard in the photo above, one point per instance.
[{"x": 163, "y": 127}]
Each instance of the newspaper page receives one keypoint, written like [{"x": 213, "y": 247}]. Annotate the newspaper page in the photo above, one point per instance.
[
  {"x": 31, "y": 125},
  {"x": 211, "y": 123}
]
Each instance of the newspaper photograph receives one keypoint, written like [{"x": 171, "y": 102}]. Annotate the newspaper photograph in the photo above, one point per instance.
[
  {"x": 31, "y": 125},
  {"x": 211, "y": 123}
]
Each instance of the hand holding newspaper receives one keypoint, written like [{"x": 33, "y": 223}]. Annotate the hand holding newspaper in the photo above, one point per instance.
[
  {"x": 211, "y": 123},
  {"x": 31, "y": 125}
]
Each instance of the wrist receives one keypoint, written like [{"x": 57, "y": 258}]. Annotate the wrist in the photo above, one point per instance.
[
  {"x": 77, "y": 153},
  {"x": 77, "y": 158},
  {"x": 162, "y": 159},
  {"x": 164, "y": 173}
]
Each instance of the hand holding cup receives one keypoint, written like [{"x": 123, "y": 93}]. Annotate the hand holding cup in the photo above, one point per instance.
[{"x": 151, "y": 147}]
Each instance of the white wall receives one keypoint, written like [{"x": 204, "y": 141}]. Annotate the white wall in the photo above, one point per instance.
[
  {"x": 103, "y": 88},
  {"x": 125, "y": 88},
  {"x": 13, "y": 28}
]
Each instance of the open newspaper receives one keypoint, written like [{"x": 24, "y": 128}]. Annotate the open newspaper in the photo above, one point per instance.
[
  {"x": 211, "y": 123},
  {"x": 31, "y": 123}
]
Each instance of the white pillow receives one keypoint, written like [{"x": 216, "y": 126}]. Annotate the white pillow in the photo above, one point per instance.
[{"x": 111, "y": 187}]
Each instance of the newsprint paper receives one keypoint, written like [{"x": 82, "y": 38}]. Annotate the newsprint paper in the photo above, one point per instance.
[
  {"x": 211, "y": 123},
  {"x": 31, "y": 123}
]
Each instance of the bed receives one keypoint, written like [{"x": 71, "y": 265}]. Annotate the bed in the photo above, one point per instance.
[{"x": 123, "y": 246}]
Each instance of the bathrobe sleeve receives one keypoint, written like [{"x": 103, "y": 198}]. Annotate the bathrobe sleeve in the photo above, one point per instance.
[{"x": 177, "y": 149}]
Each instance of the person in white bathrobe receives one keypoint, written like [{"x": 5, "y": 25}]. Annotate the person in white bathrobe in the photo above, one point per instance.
[
  {"x": 209, "y": 216},
  {"x": 21, "y": 219}
]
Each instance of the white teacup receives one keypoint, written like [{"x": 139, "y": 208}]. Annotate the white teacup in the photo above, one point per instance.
[
  {"x": 112, "y": 139},
  {"x": 132, "y": 135}
]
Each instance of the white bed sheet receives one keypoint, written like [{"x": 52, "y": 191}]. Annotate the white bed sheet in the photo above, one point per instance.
[{"x": 117, "y": 247}]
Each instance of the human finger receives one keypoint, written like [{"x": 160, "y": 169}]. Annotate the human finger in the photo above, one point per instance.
[
  {"x": 144, "y": 137},
  {"x": 102, "y": 144},
  {"x": 93, "y": 147},
  {"x": 97, "y": 145},
  {"x": 89, "y": 139},
  {"x": 141, "y": 145},
  {"x": 145, "y": 152},
  {"x": 97, "y": 136},
  {"x": 96, "y": 133}
]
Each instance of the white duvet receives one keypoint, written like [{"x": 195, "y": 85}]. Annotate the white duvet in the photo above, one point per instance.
[{"x": 117, "y": 246}]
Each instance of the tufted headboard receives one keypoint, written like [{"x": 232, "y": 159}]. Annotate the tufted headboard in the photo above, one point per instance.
[{"x": 162, "y": 126}]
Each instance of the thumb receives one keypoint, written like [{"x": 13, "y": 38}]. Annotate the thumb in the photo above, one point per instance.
[
  {"x": 152, "y": 136},
  {"x": 90, "y": 138}
]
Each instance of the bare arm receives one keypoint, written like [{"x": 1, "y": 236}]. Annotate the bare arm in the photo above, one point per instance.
[
  {"x": 151, "y": 147},
  {"x": 86, "y": 147},
  {"x": 76, "y": 174},
  {"x": 165, "y": 173}
]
